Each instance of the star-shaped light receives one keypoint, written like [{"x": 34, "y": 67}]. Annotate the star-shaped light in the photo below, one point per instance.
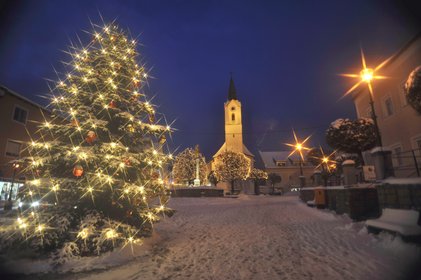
[
  {"x": 298, "y": 146},
  {"x": 366, "y": 75},
  {"x": 326, "y": 160}
]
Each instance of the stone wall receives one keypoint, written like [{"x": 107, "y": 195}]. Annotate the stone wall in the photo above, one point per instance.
[
  {"x": 359, "y": 203},
  {"x": 399, "y": 196}
]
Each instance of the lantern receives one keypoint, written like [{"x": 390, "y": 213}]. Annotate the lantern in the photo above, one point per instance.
[
  {"x": 78, "y": 170},
  {"x": 91, "y": 137}
]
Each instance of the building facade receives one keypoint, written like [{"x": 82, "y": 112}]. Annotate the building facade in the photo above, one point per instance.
[
  {"x": 288, "y": 167},
  {"x": 19, "y": 118},
  {"x": 399, "y": 123}
]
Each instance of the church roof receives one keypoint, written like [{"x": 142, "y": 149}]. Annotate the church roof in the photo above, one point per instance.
[
  {"x": 232, "y": 93},
  {"x": 224, "y": 148}
]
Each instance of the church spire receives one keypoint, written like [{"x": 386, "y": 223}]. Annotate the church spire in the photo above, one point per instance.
[{"x": 232, "y": 93}]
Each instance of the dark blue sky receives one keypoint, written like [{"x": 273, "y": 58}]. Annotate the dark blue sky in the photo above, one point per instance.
[{"x": 284, "y": 56}]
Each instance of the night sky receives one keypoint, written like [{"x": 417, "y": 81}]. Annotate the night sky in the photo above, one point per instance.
[{"x": 284, "y": 55}]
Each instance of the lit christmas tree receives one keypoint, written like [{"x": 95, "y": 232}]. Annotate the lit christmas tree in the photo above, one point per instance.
[
  {"x": 232, "y": 166},
  {"x": 96, "y": 172},
  {"x": 184, "y": 169}
]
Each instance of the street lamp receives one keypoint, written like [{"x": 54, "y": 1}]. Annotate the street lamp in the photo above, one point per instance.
[
  {"x": 367, "y": 75},
  {"x": 299, "y": 148},
  {"x": 9, "y": 204}
]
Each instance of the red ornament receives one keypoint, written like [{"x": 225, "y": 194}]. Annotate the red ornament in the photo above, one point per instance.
[
  {"x": 127, "y": 162},
  {"x": 91, "y": 137},
  {"x": 78, "y": 170},
  {"x": 112, "y": 104}
]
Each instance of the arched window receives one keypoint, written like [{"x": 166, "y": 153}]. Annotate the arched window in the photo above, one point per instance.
[{"x": 233, "y": 117}]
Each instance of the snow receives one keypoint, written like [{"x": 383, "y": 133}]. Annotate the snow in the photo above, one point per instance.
[
  {"x": 402, "y": 221},
  {"x": 338, "y": 123},
  {"x": 257, "y": 237},
  {"x": 348, "y": 162},
  {"x": 403, "y": 181},
  {"x": 380, "y": 149}
]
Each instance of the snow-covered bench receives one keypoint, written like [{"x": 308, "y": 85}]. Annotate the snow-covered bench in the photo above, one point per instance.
[{"x": 404, "y": 222}]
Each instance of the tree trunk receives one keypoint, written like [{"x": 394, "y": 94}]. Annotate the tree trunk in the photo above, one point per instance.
[
  {"x": 273, "y": 188},
  {"x": 232, "y": 186}
]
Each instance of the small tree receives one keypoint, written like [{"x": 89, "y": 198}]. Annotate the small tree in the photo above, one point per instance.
[
  {"x": 274, "y": 179},
  {"x": 184, "y": 168},
  {"x": 352, "y": 136},
  {"x": 232, "y": 166},
  {"x": 413, "y": 89},
  {"x": 259, "y": 178}
]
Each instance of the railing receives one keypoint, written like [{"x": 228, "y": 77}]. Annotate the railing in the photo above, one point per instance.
[{"x": 407, "y": 163}]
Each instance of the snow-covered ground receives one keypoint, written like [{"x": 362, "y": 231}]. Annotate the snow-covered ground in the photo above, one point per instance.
[{"x": 260, "y": 237}]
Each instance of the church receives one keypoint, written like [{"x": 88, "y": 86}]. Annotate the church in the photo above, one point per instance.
[{"x": 233, "y": 128}]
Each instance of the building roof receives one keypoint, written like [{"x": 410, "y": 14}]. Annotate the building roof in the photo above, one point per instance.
[
  {"x": 224, "y": 148},
  {"x": 4, "y": 90},
  {"x": 232, "y": 92},
  {"x": 270, "y": 158}
]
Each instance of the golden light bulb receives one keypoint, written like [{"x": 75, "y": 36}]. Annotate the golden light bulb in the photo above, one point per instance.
[
  {"x": 367, "y": 74},
  {"x": 90, "y": 189}
]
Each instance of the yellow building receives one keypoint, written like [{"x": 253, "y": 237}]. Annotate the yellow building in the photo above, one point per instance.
[
  {"x": 399, "y": 123},
  {"x": 233, "y": 128}
]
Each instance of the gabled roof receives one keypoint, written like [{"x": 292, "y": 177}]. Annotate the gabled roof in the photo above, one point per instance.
[
  {"x": 270, "y": 158},
  {"x": 224, "y": 148},
  {"x": 4, "y": 90}
]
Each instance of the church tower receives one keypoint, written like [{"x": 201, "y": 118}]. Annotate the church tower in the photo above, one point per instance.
[
  {"x": 233, "y": 121},
  {"x": 233, "y": 127}
]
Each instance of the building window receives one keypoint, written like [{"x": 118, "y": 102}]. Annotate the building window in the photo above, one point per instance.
[
  {"x": 232, "y": 108},
  {"x": 20, "y": 115},
  {"x": 13, "y": 148},
  {"x": 388, "y": 106},
  {"x": 281, "y": 163},
  {"x": 233, "y": 117}
]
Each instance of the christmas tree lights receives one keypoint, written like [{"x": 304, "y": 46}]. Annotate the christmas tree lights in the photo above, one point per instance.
[{"x": 95, "y": 171}]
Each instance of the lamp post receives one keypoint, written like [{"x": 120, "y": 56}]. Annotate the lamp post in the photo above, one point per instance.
[
  {"x": 382, "y": 159},
  {"x": 299, "y": 148},
  {"x": 9, "y": 204},
  {"x": 367, "y": 75}
]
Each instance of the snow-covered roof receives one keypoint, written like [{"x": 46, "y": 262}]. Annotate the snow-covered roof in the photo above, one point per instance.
[
  {"x": 4, "y": 90},
  {"x": 270, "y": 158},
  {"x": 223, "y": 149}
]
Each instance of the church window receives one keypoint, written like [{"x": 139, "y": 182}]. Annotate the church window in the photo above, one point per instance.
[
  {"x": 232, "y": 108},
  {"x": 233, "y": 117}
]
